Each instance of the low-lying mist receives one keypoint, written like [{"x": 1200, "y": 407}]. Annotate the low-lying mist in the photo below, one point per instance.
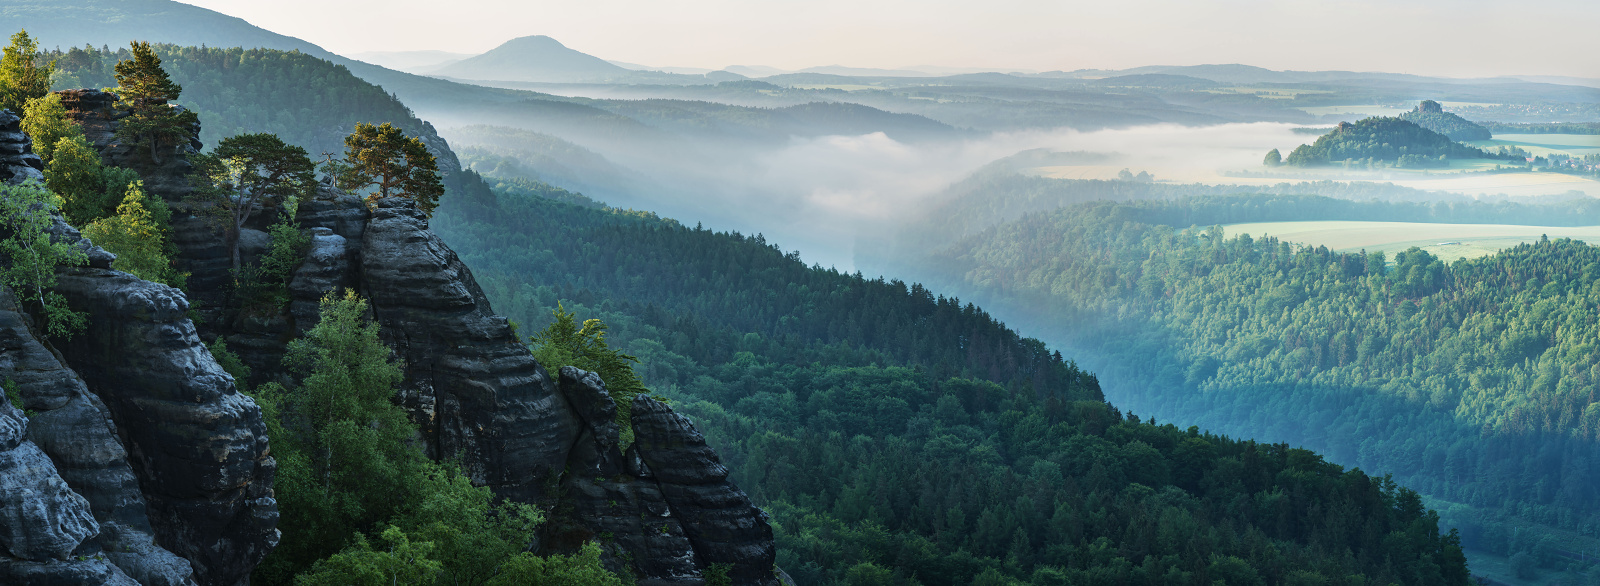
[{"x": 818, "y": 195}]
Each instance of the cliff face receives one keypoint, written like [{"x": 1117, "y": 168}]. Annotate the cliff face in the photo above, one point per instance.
[{"x": 197, "y": 448}]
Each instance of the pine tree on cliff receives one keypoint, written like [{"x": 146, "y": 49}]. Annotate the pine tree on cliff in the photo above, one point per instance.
[
  {"x": 24, "y": 75},
  {"x": 145, "y": 90},
  {"x": 383, "y": 157},
  {"x": 245, "y": 174}
]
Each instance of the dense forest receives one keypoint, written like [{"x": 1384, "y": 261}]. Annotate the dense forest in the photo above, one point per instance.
[
  {"x": 1473, "y": 381},
  {"x": 895, "y": 435},
  {"x": 1386, "y": 140},
  {"x": 1430, "y": 115},
  {"x": 901, "y": 437},
  {"x": 304, "y": 100}
]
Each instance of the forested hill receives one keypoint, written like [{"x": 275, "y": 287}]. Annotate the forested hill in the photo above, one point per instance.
[
  {"x": 1383, "y": 139},
  {"x": 902, "y": 437},
  {"x": 1431, "y": 115},
  {"x": 306, "y": 101},
  {"x": 1473, "y": 382}
]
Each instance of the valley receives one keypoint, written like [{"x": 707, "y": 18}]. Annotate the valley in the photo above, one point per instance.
[{"x": 824, "y": 325}]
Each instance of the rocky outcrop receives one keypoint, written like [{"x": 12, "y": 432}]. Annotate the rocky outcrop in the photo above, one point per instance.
[
  {"x": 664, "y": 509},
  {"x": 73, "y": 428},
  {"x": 202, "y": 253},
  {"x": 719, "y": 519},
  {"x": 197, "y": 446},
  {"x": 17, "y": 161}
]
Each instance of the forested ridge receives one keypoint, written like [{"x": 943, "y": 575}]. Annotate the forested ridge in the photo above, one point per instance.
[
  {"x": 304, "y": 100},
  {"x": 895, "y": 435},
  {"x": 900, "y": 437},
  {"x": 1473, "y": 382}
]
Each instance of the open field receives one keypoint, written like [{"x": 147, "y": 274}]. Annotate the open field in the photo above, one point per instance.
[
  {"x": 1447, "y": 241},
  {"x": 1576, "y": 145}
]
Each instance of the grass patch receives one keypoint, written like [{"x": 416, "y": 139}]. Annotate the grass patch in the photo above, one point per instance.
[{"x": 1447, "y": 241}]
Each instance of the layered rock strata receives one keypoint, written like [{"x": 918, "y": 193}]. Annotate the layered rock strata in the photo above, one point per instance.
[{"x": 471, "y": 385}]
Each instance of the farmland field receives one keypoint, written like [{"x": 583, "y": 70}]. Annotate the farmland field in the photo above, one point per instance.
[
  {"x": 1447, "y": 241},
  {"x": 1576, "y": 145}
]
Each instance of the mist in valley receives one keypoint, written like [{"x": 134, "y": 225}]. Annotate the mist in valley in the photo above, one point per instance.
[{"x": 819, "y": 195}]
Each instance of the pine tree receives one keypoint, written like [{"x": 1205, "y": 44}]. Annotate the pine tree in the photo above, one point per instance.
[
  {"x": 144, "y": 88},
  {"x": 24, "y": 75},
  {"x": 563, "y": 343},
  {"x": 247, "y": 173},
  {"x": 384, "y": 158}
]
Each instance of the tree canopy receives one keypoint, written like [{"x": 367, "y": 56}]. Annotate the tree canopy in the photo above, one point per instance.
[
  {"x": 24, "y": 73},
  {"x": 245, "y": 174},
  {"x": 145, "y": 89},
  {"x": 384, "y": 159}
]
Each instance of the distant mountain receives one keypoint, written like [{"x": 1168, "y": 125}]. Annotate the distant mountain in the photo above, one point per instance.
[
  {"x": 537, "y": 58},
  {"x": 755, "y": 70},
  {"x": 1156, "y": 80},
  {"x": 412, "y": 61},
  {"x": 865, "y": 71},
  {"x": 1430, "y": 115}
]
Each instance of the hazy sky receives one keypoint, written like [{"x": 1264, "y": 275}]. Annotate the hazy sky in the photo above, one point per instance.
[{"x": 1437, "y": 37}]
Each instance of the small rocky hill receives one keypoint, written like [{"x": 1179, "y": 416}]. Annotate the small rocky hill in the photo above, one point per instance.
[
  {"x": 136, "y": 460},
  {"x": 1430, "y": 115}
]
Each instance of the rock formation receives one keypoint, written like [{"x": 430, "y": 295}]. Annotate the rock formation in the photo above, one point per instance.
[{"x": 167, "y": 477}]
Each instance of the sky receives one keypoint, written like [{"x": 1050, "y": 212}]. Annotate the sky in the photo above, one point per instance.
[{"x": 1454, "y": 38}]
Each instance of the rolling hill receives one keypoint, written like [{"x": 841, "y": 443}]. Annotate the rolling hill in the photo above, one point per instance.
[{"x": 534, "y": 58}]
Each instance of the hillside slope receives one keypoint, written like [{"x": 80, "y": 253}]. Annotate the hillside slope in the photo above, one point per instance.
[{"x": 534, "y": 58}]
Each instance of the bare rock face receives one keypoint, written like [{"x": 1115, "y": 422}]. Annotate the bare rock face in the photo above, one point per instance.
[
  {"x": 40, "y": 517},
  {"x": 73, "y": 428},
  {"x": 17, "y": 161},
  {"x": 470, "y": 383},
  {"x": 719, "y": 519},
  {"x": 197, "y": 446},
  {"x": 664, "y": 509}
]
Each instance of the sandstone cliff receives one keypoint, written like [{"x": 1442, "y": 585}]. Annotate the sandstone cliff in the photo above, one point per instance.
[{"x": 167, "y": 478}]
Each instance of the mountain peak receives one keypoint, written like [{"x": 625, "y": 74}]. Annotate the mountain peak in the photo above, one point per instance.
[{"x": 536, "y": 58}]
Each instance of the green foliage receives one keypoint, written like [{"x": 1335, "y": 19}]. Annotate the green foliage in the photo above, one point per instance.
[
  {"x": 45, "y": 122},
  {"x": 563, "y": 343},
  {"x": 394, "y": 165},
  {"x": 1273, "y": 158},
  {"x": 348, "y": 471},
  {"x": 886, "y": 428},
  {"x": 303, "y": 99},
  {"x": 246, "y": 174},
  {"x": 32, "y": 256},
  {"x": 579, "y": 569},
  {"x": 403, "y": 563},
  {"x": 266, "y": 284},
  {"x": 230, "y": 362},
  {"x": 138, "y": 237},
  {"x": 1381, "y": 139},
  {"x": 1449, "y": 375},
  {"x": 90, "y": 190},
  {"x": 24, "y": 73},
  {"x": 344, "y": 464},
  {"x": 13, "y": 394},
  {"x": 145, "y": 89}
]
